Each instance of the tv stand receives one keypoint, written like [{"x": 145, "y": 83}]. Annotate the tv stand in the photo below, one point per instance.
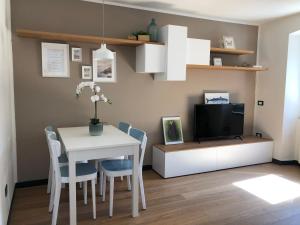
[{"x": 194, "y": 157}]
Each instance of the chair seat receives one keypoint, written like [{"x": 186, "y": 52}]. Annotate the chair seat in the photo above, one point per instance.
[
  {"x": 117, "y": 164},
  {"x": 63, "y": 158},
  {"x": 82, "y": 169}
]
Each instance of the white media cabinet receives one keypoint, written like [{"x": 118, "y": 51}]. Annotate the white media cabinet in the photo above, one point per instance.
[{"x": 193, "y": 157}]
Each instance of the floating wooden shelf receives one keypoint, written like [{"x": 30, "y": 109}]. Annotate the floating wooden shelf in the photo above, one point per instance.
[
  {"x": 231, "y": 51},
  {"x": 237, "y": 68},
  {"x": 50, "y": 36}
]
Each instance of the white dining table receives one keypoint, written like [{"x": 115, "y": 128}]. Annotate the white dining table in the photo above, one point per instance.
[{"x": 79, "y": 146}]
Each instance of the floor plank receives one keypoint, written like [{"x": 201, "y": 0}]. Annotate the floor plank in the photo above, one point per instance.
[{"x": 202, "y": 199}]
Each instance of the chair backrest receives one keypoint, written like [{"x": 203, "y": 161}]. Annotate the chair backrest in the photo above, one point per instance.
[
  {"x": 125, "y": 127},
  {"x": 55, "y": 152},
  {"x": 50, "y": 130},
  {"x": 142, "y": 138}
]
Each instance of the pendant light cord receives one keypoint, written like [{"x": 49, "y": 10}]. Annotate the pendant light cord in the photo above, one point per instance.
[{"x": 103, "y": 21}]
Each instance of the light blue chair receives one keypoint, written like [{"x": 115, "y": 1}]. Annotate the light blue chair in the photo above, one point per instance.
[
  {"x": 123, "y": 167},
  {"x": 84, "y": 172},
  {"x": 62, "y": 160},
  {"x": 125, "y": 127}
]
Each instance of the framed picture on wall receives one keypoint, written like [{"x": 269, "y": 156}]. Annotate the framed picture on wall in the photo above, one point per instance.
[
  {"x": 228, "y": 42},
  {"x": 76, "y": 54},
  {"x": 172, "y": 129},
  {"x": 86, "y": 72},
  {"x": 104, "y": 70},
  {"x": 55, "y": 60}
]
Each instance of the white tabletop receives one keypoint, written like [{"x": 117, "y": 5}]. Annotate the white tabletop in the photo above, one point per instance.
[{"x": 78, "y": 138}]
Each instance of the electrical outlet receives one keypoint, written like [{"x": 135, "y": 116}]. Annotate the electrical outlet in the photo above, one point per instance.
[
  {"x": 260, "y": 102},
  {"x": 6, "y": 190}
]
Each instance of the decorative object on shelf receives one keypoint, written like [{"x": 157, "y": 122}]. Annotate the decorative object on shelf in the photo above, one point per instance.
[
  {"x": 216, "y": 98},
  {"x": 103, "y": 53},
  {"x": 217, "y": 61},
  {"x": 141, "y": 36},
  {"x": 132, "y": 37},
  {"x": 76, "y": 54},
  {"x": 172, "y": 130},
  {"x": 257, "y": 66},
  {"x": 55, "y": 60},
  {"x": 87, "y": 72},
  {"x": 153, "y": 30},
  {"x": 104, "y": 70},
  {"x": 95, "y": 125},
  {"x": 228, "y": 42}
]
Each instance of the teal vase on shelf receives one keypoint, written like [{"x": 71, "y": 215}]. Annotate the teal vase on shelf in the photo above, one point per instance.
[{"x": 153, "y": 30}]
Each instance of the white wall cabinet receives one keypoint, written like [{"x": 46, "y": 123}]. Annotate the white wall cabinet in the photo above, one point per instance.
[
  {"x": 150, "y": 58},
  {"x": 198, "y": 51},
  {"x": 174, "y": 38}
]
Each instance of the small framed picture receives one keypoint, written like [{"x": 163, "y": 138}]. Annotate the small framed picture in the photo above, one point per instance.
[
  {"x": 172, "y": 129},
  {"x": 217, "y": 61},
  {"x": 87, "y": 72},
  {"x": 55, "y": 60},
  {"x": 228, "y": 42},
  {"x": 216, "y": 98},
  {"x": 104, "y": 70},
  {"x": 76, "y": 54}
]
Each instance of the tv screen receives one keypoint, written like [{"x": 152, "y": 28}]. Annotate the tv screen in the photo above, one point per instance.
[{"x": 218, "y": 121}]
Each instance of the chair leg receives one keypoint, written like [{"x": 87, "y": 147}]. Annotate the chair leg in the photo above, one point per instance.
[
  {"x": 104, "y": 188},
  {"x": 97, "y": 168},
  {"x": 49, "y": 178},
  {"x": 52, "y": 195},
  {"x": 142, "y": 190},
  {"x": 85, "y": 192},
  {"x": 56, "y": 203},
  {"x": 101, "y": 182},
  {"x": 128, "y": 183},
  {"x": 111, "y": 195},
  {"x": 94, "y": 197}
]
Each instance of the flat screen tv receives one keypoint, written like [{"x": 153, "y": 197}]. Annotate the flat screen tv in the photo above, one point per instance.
[{"x": 214, "y": 121}]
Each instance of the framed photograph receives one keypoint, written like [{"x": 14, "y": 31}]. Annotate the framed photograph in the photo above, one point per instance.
[
  {"x": 228, "y": 42},
  {"x": 55, "y": 60},
  {"x": 76, "y": 55},
  {"x": 104, "y": 70},
  {"x": 87, "y": 72},
  {"x": 172, "y": 129},
  {"x": 216, "y": 98},
  {"x": 217, "y": 61}
]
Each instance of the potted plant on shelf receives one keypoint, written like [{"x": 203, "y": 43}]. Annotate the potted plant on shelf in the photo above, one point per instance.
[{"x": 95, "y": 125}]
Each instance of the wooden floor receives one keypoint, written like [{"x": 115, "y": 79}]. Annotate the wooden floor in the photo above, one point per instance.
[{"x": 208, "y": 198}]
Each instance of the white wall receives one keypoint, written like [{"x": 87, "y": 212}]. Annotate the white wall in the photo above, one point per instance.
[
  {"x": 276, "y": 118},
  {"x": 7, "y": 124}
]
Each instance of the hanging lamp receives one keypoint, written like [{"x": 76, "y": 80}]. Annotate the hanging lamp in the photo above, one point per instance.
[{"x": 103, "y": 53}]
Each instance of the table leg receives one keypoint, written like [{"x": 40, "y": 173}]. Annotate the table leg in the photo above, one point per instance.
[
  {"x": 72, "y": 190},
  {"x": 135, "y": 188}
]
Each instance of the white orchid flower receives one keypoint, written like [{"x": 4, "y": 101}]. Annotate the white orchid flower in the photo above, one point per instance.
[
  {"x": 93, "y": 99},
  {"x": 97, "y": 98},
  {"x": 103, "y": 98},
  {"x": 97, "y": 89}
]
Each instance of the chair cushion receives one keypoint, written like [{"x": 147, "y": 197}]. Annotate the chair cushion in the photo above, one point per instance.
[
  {"x": 82, "y": 169},
  {"x": 63, "y": 158},
  {"x": 117, "y": 164}
]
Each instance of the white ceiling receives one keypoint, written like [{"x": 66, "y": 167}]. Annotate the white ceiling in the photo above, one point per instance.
[{"x": 240, "y": 11}]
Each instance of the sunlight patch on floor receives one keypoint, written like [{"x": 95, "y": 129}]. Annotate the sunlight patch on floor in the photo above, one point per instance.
[{"x": 271, "y": 188}]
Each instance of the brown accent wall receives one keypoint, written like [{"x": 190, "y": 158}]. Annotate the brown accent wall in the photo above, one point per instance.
[{"x": 137, "y": 98}]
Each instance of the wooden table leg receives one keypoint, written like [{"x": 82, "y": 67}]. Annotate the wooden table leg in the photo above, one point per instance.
[
  {"x": 72, "y": 190},
  {"x": 135, "y": 188}
]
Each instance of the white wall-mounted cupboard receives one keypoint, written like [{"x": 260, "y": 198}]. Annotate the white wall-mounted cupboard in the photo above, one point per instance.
[
  {"x": 150, "y": 58},
  {"x": 168, "y": 62},
  {"x": 198, "y": 51},
  {"x": 174, "y": 38}
]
